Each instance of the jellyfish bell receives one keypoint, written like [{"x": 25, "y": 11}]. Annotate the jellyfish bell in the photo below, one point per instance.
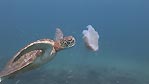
[{"x": 91, "y": 38}]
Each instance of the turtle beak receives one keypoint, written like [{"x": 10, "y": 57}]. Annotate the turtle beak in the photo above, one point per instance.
[{"x": 73, "y": 41}]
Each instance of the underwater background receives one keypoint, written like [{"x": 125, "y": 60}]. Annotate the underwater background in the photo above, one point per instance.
[{"x": 123, "y": 27}]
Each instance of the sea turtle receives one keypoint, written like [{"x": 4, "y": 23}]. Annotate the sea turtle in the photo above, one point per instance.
[{"x": 36, "y": 54}]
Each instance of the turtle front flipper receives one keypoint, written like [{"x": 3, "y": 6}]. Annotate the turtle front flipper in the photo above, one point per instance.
[
  {"x": 22, "y": 64},
  {"x": 58, "y": 34},
  {"x": 38, "y": 45},
  {"x": 25, "y": 58}
]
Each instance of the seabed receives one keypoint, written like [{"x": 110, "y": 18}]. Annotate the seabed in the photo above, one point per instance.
[{"x": 79, "y": 75}]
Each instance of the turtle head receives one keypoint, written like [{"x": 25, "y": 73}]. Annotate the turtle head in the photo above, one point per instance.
[{"x": 67, "y": 42}]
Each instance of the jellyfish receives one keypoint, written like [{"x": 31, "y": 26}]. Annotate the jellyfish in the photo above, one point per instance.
[{"x": 91, "y": 38}]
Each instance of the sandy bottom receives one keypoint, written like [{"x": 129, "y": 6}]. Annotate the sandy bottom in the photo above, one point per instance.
[{"x": 79, "y": 75}]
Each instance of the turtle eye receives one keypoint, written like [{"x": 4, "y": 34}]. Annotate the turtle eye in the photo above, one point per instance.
[{"x": 72, "y": 41}]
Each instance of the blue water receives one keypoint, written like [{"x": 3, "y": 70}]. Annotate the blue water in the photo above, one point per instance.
[{"x": 123, "y": 27}]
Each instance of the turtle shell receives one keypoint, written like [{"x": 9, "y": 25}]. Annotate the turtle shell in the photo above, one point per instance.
[{"x": 28, "y": 56}]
